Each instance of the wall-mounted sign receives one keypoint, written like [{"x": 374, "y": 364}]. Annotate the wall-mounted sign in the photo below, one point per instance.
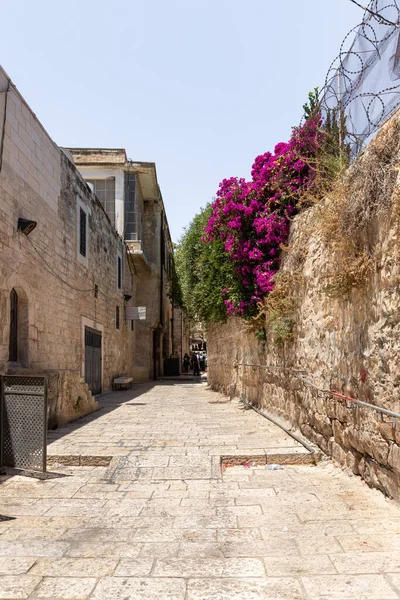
[{"x": 135, "y": 313}]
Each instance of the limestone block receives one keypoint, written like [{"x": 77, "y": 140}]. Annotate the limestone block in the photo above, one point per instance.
[
  {"x": 387, "y": 430},
  {"x": 323, "y": 425},
  {"x": 397, "y": 432},
  {"x": 344, "y": 414},
  {"x": 338, "y": 453},
  {"x": 338, "y": 430},
  {"x": 380, "y": 477},
  {"x": 353, "y": 461},
  {"x": 377, "y": 448},
  {"x": 352, "y": 438},
  {"x": 394, "y": 457}
]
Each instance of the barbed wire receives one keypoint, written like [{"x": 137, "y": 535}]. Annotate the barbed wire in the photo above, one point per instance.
[{"x": 363, "y": 82}]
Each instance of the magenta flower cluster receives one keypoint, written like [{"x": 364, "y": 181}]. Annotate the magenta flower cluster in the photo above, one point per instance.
[{"x": 252, "y": 218}]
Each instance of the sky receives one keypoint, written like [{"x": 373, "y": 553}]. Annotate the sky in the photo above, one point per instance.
[{"x": 200, "y": 87}]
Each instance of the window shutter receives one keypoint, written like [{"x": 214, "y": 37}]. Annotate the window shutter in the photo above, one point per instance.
[
  {"x": 82, "y": 229},
  {"x": 119, "y": 273}
]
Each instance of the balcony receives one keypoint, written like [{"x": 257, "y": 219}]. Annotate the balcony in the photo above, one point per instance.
[{"x": 138, "y": 258}]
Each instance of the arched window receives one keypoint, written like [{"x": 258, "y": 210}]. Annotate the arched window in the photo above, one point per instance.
[{"x": 13, "y": 349}]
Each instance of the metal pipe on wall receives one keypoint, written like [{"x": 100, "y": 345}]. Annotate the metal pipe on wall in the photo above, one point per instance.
[{"x": 324, "y": 391}]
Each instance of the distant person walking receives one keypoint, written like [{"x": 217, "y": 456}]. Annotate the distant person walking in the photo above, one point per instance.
[
  {"x": 196, "y": 364},
  {"x": 186, "y": 362}
]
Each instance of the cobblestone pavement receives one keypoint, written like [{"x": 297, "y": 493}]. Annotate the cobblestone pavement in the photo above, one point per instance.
[{"x": 161, "y": 522}]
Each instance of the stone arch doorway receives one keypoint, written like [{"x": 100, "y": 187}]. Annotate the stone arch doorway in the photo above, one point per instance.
[{"x": 19, "y": 327}]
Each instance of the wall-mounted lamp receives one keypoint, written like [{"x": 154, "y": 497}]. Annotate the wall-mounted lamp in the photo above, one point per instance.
[
  {"x": 26, "y": 225},
  {"x": 127, "y": 297}
]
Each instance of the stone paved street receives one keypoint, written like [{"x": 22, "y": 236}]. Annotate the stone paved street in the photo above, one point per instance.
[{"x": 162, "y": 521}]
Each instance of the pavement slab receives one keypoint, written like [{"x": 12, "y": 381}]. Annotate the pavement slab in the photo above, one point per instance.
[
  {"x": 166, "y": 516},
  {"x": 66, "y": 588}
]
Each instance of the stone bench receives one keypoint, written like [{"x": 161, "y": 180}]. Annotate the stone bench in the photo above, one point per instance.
[{"x": 122, "y": 383}]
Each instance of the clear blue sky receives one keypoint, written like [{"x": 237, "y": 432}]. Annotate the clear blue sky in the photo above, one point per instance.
[{"x": 200, "y": 87}]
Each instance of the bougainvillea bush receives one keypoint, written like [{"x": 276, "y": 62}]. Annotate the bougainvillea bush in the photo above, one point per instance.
[
  {"x": 252, "y": 218},
  {"x": 230, "y": 253}
]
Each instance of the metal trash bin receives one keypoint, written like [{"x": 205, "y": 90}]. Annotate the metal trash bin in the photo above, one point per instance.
[{"x": 171, "y": 367}]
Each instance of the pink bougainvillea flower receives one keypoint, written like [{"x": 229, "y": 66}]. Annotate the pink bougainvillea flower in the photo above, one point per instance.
[{"x": 251, "y": 218}]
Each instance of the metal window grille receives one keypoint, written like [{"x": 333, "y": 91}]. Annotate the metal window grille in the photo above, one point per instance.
[
  {"x": 82, "y": 230},
  {"x": 131, "y": 224}
]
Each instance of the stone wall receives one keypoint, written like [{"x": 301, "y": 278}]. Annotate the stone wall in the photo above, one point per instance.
[
  {"x": 181, "y": 334},
  {"x": 350, "y": 345},
  {"x": 58, "y": 292}
]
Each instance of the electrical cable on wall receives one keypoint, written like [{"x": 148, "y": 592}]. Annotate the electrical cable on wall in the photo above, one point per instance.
[
  {"x": 56, "y": 274},
  {"x": 51, "y": 268},
  {"x": 95, "y": 287},
  {"x": 53, "y": 272}
]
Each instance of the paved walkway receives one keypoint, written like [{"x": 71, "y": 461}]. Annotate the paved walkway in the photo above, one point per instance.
[{"x": 161, "y": 522}]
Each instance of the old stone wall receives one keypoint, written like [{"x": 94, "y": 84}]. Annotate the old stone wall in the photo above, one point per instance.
[
  {"x": 348, "y": 344},
  {"x": 181, "y": 334},
  {"x": 59, "y": 292}
]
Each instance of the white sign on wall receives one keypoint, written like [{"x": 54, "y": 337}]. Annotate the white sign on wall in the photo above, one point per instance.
[{"x": 135, "y": 313}]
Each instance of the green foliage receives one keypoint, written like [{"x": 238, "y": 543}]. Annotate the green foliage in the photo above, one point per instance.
[
  {"x": 203, "y": 270},
  {"x": 280, "y": 327},
  {"x": 175, "y": 291},
  {"x": 261, "y": 335},
  {"x": 336, "y": 152},
  {"x": 335, "y": 134},
  {"x": 277, "y": 311},
  {"x": 312, "y": 107}
]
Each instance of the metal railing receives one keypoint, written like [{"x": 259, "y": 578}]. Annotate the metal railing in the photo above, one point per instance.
[{"x": 326, "y": 392}]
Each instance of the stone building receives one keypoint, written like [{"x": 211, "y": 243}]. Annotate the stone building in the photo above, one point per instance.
[
  {"x": 129, "y": 192},
  {"x": 66, "y": 286},
  {"x": 198, "y": 337}
]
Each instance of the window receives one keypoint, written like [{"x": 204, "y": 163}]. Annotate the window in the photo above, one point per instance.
[
  {"x": 105, "y": 192},
  {"x": 130, "y": 207},
  {"x": 19, "y": 327},
  {"x": 82, "y": 232},
  {"x": 133, "y": 208},
  {"x": 13, "y": 348},
  {"x": 119, "y": 271},
  {"x": 117, "y": 317}
]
